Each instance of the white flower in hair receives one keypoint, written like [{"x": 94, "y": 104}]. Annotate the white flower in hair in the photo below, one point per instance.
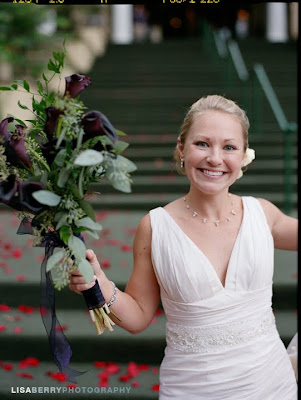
[{"x": 248, "y": 158}]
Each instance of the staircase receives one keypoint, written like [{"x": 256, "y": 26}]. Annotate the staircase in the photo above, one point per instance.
[{"x": 145, "y": 91}]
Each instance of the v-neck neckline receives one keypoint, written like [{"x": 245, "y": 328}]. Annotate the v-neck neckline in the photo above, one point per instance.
[{"x": 204, "y": 255}]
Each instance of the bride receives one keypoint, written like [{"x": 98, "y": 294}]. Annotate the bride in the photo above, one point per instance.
[{"x": 209, "y": 257}]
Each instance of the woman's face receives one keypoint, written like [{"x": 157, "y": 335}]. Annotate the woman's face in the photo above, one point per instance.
[{"x": 213, "y": 151}]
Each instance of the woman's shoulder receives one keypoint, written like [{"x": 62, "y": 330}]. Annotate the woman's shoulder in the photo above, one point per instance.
[{"x": 271, "y": 212}]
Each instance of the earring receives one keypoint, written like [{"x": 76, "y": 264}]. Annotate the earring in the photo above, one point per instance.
[{"x": 182, "y": 163}]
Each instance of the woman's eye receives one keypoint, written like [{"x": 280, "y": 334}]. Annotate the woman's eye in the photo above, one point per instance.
[
  {"x": 201, "y": 144},
  {"x": 229, "y": 147}
]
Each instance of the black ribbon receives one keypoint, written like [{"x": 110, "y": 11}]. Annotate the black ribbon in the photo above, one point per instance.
[
  {"x": 94, "y": 297},
  {"x": 59, "y": 345}
]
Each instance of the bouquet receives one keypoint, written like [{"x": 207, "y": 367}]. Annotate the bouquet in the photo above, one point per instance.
[{"x": 45, "y": 174}]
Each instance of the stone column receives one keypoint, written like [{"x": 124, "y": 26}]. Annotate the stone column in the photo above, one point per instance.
[
  {"x": 277, "y": 30},
  {"x": 122, "y": 23},
  {"x": 294, "y": 26}
]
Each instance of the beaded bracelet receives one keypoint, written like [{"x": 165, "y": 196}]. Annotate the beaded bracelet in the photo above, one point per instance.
[{"x": 113, "y": 298}]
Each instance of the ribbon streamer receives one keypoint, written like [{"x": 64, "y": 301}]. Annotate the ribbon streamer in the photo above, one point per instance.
[{"x": 59, "y": 345}]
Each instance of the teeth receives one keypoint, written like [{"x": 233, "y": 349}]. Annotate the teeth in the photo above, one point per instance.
[{"x": 214, "y": 173}]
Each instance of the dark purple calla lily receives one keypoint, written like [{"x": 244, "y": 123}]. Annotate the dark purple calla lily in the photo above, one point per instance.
[
  {"x": 8, "y": 189},
  {"x": 19, "y": 195},
  {"x": 4, "y": 132},
  {"x": 16, "y": 148},
  {"x": 14, "y": 144},
  {"x": 26, "y": 200},
  {"x": 97, "y": 124},
  {"x": 49, "y": 151},
  {"x": 52, "y": 116},
  {"x": 75, "y": 84}
]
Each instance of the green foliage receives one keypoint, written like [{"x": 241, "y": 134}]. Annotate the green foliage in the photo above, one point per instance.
[
  {"x": 19, "y": 34},
  {"x": 75, "y": 165}
]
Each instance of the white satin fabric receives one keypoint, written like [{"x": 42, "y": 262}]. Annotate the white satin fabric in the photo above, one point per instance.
[{"x": 222, "y": 342}]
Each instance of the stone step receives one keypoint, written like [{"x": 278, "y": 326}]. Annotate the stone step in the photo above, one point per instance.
[{"x": 133, "y": 381}]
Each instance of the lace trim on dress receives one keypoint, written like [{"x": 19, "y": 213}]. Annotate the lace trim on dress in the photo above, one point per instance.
[{"x": 212, "y": 339}]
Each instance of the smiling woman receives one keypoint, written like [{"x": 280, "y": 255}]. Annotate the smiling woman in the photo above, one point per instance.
[{"x": 209, "y": 256}]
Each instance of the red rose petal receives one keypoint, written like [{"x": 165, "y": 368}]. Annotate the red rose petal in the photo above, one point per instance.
[
  {"x": 2, "y": 327},
  {"x": 135, "y": 384},
  {"x": 20, "y": 278},
  {"x": 101, "y": 215},
  {"x": 131, "y": 231},
  {"x": 124, "y": 378},
  {"x": 43, "y": 311},
  {"x": 133, "y": 369},
  {"x": 103, "y": 379},
  {"x": 156, "y": 387},
  {"x": 99, "y": 364},
  {"x": 24, "y": 375},
  {"x": 7, "y": 246},
  {"x": 113, "y": 242},
  {"x": 143, "y": 367},
  {"x": 104, "y": 376},
  {"x": 18, "y": 329},
  {"x": 112, "y": 368},
  {"x": 105, "y": 232},
  {"x": 159, "y": 311},
  {"x": 155, "y": 370},
  {"x": 71, "y": 386},
  {"x": 8, "y": 366},
  {"x": 4, "y": 308},
  {"x": 17, "y": 253},
  {"x": 61, "y": 328},
  {"x": 26, "y": 309},
  {"x": 126, "y": 247},
  {"x": 58, "y": 376},
  {"x": 105, "y": 263},
  {"x": 29, "y": 362}
]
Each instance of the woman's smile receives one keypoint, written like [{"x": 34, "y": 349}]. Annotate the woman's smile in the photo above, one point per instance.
[{"x": 211, "y": 173}]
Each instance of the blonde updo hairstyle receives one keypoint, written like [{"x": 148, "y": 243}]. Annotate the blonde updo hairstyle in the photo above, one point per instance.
[{"x": 211, "y": 103}]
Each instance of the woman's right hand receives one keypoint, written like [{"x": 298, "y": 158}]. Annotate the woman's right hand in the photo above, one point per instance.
[{"x": 77, "y": 281}]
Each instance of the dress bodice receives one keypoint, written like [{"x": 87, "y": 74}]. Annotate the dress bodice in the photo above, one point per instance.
[{"x": 187, "y": 277}]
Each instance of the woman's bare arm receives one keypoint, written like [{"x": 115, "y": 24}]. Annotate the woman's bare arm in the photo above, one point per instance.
[
  {"x": 284, "y": 229},
  {"x": 135, "y": 306}
]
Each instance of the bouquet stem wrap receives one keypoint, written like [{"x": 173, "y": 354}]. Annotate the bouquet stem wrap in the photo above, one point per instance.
[
  {"x": 96, "y": 303},
  {"x": 59, "y": 345}
]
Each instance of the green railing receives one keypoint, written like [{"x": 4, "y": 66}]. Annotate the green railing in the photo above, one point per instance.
[
  {"x": 257, "y": 83},
  {"x": 288, "y": 128}
]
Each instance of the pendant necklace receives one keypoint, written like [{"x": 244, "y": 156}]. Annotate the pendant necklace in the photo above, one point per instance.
[{"x": 216, "y": 221}]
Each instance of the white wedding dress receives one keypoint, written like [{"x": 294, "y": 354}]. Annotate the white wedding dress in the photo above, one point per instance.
[{"x": 222, "y": 342}]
